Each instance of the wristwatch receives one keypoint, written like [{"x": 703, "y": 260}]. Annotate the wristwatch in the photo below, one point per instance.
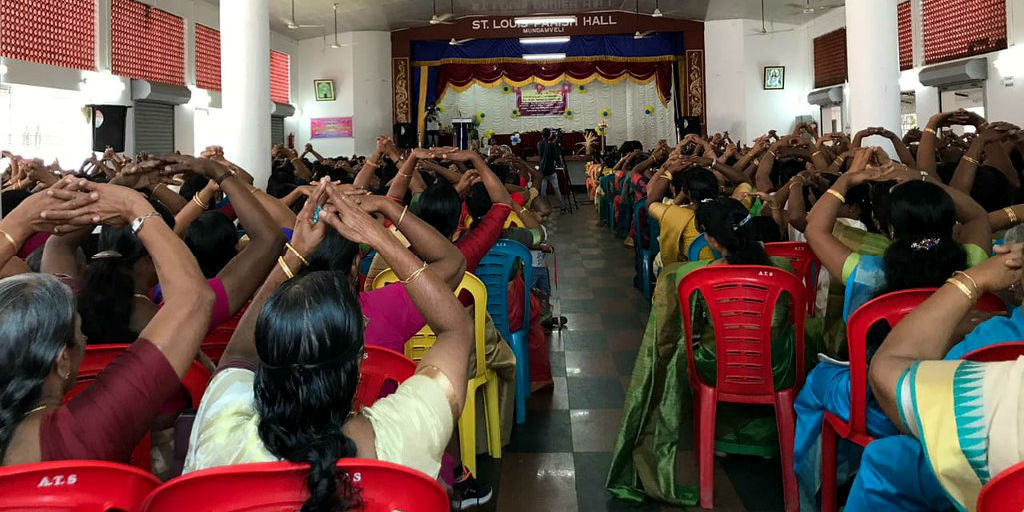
[{"x": 140, "y": 220}]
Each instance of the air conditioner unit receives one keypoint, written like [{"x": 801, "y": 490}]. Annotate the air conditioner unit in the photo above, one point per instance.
[
  {"x": 826, "y": 97},
  {"x": 156, "y": 92},
  {"x": 283, "y": 110},
  {"x": 955, "y": 73}
]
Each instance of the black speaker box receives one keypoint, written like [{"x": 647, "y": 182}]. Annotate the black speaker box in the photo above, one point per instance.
[{"x": 108, "y": 124}]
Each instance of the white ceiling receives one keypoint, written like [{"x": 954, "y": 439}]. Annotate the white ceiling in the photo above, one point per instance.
[{"x": 399, "y": 14}]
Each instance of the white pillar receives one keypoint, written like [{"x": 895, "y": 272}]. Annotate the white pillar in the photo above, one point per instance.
[
  {"x": 245, "y": 85},
  {"x": 872, "y": 48}
]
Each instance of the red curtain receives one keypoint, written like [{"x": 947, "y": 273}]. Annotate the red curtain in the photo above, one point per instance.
[
  {"x": 146, "y": 43},
  {"x": 461, "y": 75},
  {"x": 961, "y": 28},
  {"x": 207, "y": 58},
  {"x": 906, "y": 36},
  {"x": 280, "y": 77},
  {"x": 55, "y": 32}
]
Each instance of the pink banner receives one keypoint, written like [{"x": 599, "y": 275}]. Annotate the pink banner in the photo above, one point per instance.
[
  {"x": 330, "y": 127},
  {"x": 541, "y": 101}
]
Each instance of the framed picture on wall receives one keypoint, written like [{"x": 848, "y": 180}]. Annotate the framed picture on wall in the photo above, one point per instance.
[
  {"x": 774, "y": 77},
  {"x": 324, "y": 89}
]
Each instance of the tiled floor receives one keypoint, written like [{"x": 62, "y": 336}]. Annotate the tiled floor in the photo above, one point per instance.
[{"x": 558, "y": 460}]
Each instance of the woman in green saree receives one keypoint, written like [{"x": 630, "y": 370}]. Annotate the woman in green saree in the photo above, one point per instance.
[{"x": 658, "y": 400}]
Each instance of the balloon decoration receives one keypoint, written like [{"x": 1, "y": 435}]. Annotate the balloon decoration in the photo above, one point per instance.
[
  {"x": 649, "y": 110},
  {"x": 516, "y": 139},
  {"x": 606, "y": 113},
  {"x": 582, "y": 89},
  {"x": 480, "y": 116},
  {"x": 515, "y": 112},
  {"x": 506, "y": 89},
  {"x": 568, "y": 113},
  {"x": 440, "y": 108}
]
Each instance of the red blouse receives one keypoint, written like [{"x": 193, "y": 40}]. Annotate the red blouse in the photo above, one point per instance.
[
  {"x": 475, "y": 244},
  {"x": 112, "y": 415}
]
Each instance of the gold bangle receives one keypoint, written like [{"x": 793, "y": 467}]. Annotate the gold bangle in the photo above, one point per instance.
[
  {"x": 970, "y": 159},
  {"x": 291, "y": 249},
  {"x": 969, "y": 278},
  {"x": 11, "y": 240},
  {"x": 837, "y": 195},
  {"x": 963, "y": 287},
  {"x": 371, "y": 163},
  {"x": 1011, "y": 214},
  {"x": 412, "y": 277},
  {"x": 199, "y": 202},
  {"x": 931, "y": 131},
  {"x": 773, "y": 154},
  {"x": 398, "y": 225},
  {"x": 284, "y": 266}
]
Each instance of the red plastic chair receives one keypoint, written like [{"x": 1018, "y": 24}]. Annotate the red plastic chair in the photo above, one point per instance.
[
  {"x": 380, "y": 367},
  {"x": 97, "y": 357},
  {"x": 79, "y": 485},
  {"x": 1008, "y": 351},
  {"x": 741, "y": 299},
  {"x": 1005, "y": 492},
  {"x": 805, "y": 265},
  {"x": 384, "y": 486},
  {"x": 891, "y": 307}
]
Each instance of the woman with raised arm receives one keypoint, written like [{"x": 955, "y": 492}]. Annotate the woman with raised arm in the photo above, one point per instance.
[
  {"x": 41, "y": 345},
  {"x": 693, "y": 184},
  {"x": 286, "y": 382}
]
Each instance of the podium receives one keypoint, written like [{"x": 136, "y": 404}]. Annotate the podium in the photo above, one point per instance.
[{"x": 460, "y": 130}]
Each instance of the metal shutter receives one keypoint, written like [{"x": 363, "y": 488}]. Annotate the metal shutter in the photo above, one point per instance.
[
  {"x": 154, "y": 128},
  {"x": 276, "y": 130}
]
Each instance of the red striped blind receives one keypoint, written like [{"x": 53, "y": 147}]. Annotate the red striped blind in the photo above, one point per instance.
[
  {"x": 146, "y": 43},
  {"x": 280, "y": 77},
  {"x": 960, "y": 28},
  {"x": 207, "y": 58},
  {"x": 830, "y": 58},
  {"x": 54, "y": 32},
  {"x": 906, "y": 36}
]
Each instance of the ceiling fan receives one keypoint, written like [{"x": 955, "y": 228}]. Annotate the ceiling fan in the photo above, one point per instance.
[
  {"x": 336, "y": 44},
  {"x": 764, "y": 29},
  {"x": 442, "y": 19},
  {"x": 292, "y": 24},
  {"x": 638, "y": 34},
  {"x": 807, "y": 8}
]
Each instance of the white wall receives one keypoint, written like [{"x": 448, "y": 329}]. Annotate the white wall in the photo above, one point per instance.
[
  {"x": 735, "y": 60},
  {"x": 103, "y": 88},
  {"x": 362, "y": 88}
]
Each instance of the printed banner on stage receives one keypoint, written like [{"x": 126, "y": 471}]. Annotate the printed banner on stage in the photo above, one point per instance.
[
  {"x": 330, "y": 127},
  {"x": 537, "y": 101}
]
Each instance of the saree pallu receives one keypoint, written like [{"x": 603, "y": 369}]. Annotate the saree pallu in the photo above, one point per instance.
[
  {"x": 969, "y": 418},
  {"x": 659, "y": 403}
]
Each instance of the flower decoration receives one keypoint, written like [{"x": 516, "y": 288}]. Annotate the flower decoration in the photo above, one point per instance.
[
  {"x": 488, "y": 134},
  {"x": 480, "y": 116},
  {"x": 601, "y": 129},
  {"x": 582, "y": 89},
  {"x": 515, "y": 112},
  {"x": 506, "y": 88},
  {"x": 568, "y": 113},
  {"x": 649, "y": 110},
  {"x": 516, "y": 139},
  {"x": 440, "y": 108},
  {"x": 606, "y": 113}
]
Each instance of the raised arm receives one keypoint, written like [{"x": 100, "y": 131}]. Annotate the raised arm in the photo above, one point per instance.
[
  {"x": 21, "y": 223},
  {"x": 821, "y": 220}
]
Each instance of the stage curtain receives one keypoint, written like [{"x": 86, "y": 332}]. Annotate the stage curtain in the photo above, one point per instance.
[
  {"x": 460, "y": 76},
  {"x": 626, "y": 103}
]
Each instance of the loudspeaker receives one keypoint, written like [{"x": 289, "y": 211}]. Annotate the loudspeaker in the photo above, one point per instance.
[
  {"x": 688, "y": 125},
  {"x": 108, "y": 123},
  {"x": 405, "y": 135}
]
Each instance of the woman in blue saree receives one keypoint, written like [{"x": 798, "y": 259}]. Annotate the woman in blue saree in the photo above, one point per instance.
[{"x": 920, "y": 215}]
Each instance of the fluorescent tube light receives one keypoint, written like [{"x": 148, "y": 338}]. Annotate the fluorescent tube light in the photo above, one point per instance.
[
  {"x": 533, "y": 21},
  {"x": 544, "y": 40},
  {"x": 543, "y": 56}
]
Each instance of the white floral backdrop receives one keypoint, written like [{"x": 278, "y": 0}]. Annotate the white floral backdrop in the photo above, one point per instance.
[{"x": 626, "y": 102}]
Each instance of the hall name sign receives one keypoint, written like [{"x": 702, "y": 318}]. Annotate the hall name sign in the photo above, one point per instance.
[{"x": 587, "y": 21}]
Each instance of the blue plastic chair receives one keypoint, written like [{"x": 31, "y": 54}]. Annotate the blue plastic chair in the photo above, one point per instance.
[
  {"x": 699, "y": 243},
  {"x": 608, "y": 201},
  {"x": 644, "y": 256},
  {"x": 494, "y": 270}
]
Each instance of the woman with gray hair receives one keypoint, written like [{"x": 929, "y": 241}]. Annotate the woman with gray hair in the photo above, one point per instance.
[{"x": 41, "y": 345}]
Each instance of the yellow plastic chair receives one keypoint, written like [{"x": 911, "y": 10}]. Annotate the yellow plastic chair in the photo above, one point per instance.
[{"x": 483, "y": 376}]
